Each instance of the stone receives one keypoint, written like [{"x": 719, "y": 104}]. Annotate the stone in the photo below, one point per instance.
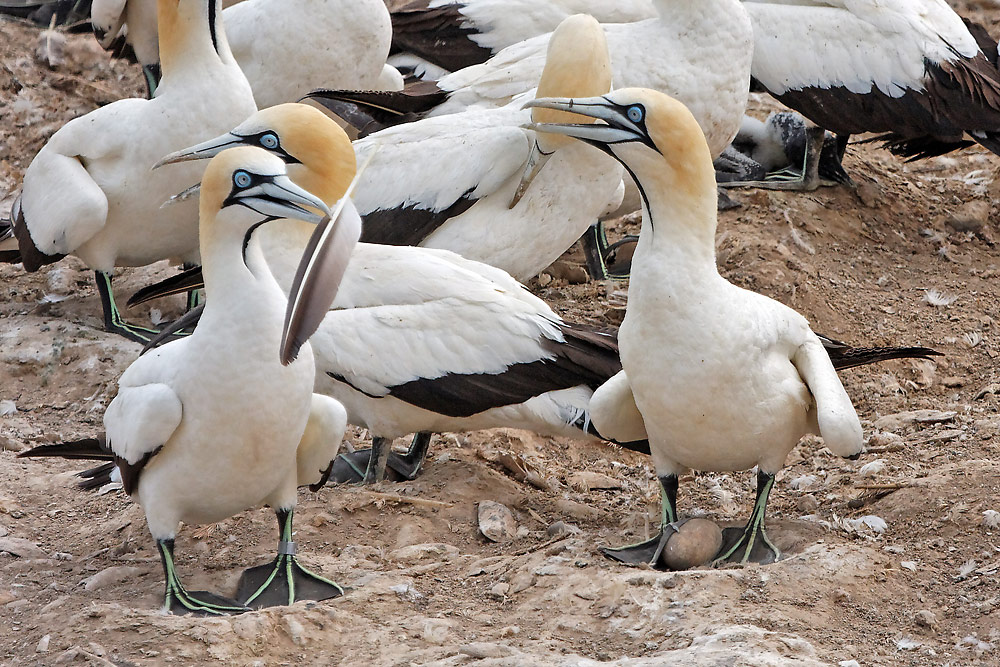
[
  {"x": 560, "y": 528},
  {"x": 898, "y": 420},
  {"x": 586, "y": 480},
  {"x": 970, "y": 217},
  {"x": 296, "y": 631},
  {"x": 576, "y": 510},
  {"x": 695, "y": 543},
  {"x": 496, "y": 521},
  {"x": 43, "y": 644},
  {"x": 21, "y": 548},
  {"x": 418, "y": 552},
  {"x": 109, "y": 576},
  {"x": 500, "y": 591},
  {"x": 486, "y": 650},
  {"x": 926, "y": 618}
]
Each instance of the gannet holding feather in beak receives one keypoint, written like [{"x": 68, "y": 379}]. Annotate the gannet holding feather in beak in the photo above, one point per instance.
[
  {"x": 449, "y": 182},
  {"x": 108, "y": 209},
  {"x": 720, "y": 378},
  {"x": 209, "y": 425},
  {"x": 420, "y": 340}
]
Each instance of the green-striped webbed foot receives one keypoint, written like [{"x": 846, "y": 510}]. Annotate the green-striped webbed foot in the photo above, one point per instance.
[
  {"x": 380, "y": 462},
  {"x": 751, "y": 544},
  {"x": 179, "y": 600},
  {"x": 115, "y": 323},
  {"x": 283, "y": 581},
  {"x": 649, "y": 551}
]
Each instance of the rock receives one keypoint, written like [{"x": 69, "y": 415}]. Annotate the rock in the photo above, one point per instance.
[
  {"x": 109, "y": 576},
  {"x": 3, "y": 530},
  {"x": 807, "y": 503},
  {"x": 21, "y": 548},
  {"x": 250, "y": 627},
  {"x": 970, "y": 217},
  {"x": 870, "y": 194},
  {"x": 496, "y": 521},
  {"x": 586, "y": 480},
  {"x": 953, "y": 381},
  {"x": 574, "y": 274},
  {"x": 500, "y": 591},
  {"x": 522, "y": 581},
  {"x": 9, "y": 444},
  {"x": 418, "y": 552},
  {"x": 408, "y": 535},
  {"x": 485, "y": 650},
  {"x": 898, "y": 420},
  {"x": 889, "y": 441},
  {"x": 695, "y": 543},
  {"x": 576, "y": 510},
  {"x": 926, "y": 619},
  {"x": 560, "y": 528},
  {"x": 43, "y": 644},
  {"x": 296, "y": 631}
]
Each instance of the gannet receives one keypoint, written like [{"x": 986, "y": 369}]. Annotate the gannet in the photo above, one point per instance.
[
  {"x": 209, "y": 425},
  {"x": 108, "y": 209},
  {"x": 317, "y": 148},
  {"x": 911, "y": 70},
  {"x": 285, "y": 47},
  {"x": 719, "y": 378},
  {"x": 454, "y": 34},
  {"x": 420, "y": 340},
  {"x": 698, "y": 52},
  {"x": 448, "y": 182}
]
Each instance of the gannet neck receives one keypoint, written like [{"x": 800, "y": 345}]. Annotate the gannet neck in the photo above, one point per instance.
[
  {"x": 682, "y": 227},
  {"x": 191, "y": 36},
  {"x": 230, "y": 263}
]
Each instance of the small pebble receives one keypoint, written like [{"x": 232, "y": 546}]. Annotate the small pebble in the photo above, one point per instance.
[
  {"x": 43, "y": 644},
  {"x": 496, "y": 521},
  {"x": 926, "y": 619},
  {"x": 500, "y": 591},
  {"x": 560, "y": 528}
]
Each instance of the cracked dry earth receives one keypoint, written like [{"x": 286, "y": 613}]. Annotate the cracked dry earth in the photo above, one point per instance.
[{"x": 891, "y": 560}]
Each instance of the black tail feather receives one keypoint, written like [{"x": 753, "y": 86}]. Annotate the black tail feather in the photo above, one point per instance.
[
  {"x": 89, "y": 449},
  {"x": 185, "y": 281},
  {"x": 95, "y": 478},
  {"x": 851, "y": 357},
  {"x": 371, "y": 111}
]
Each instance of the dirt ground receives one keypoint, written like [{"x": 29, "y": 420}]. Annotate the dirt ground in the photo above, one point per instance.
[{"x": 891, "y": 560}]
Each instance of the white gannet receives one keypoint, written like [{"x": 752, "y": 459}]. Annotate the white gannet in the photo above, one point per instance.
[
  {"x": 719, "y": 378},
  {"x": 448, "y": 182},
  {"x": 318, "y": 156},
  {"x": 698, "y": 52},
  {"x": 421, "y": 340},
  {"x": 452, "y": 34},
  {"x": 209, "y": 425},
  {"x": 108, "y": 209},
  {"x": 911, "y": 70},
  {"x": 285, "y": 47}
]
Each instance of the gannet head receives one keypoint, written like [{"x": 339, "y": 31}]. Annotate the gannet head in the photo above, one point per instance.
[
  {"x": 653, "y": 135},
  {"x": 318, "y": 153},
  {"x": 244, "y": 186},
  {"x": 577, "y": 64}
]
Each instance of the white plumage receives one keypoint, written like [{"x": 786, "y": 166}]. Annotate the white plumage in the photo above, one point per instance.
[
  {"x": 722, "y": 378},
  {"x": 213, "y": 424},
  {"x": 285, "y": 47}
]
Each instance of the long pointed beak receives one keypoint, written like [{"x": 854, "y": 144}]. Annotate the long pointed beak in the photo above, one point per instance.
[
  {"x": 206, "y": 149},
  {"x": 618, "y": 129},
  {"x": 536, "y": 160},
  {"x": 280, "y": 198}
]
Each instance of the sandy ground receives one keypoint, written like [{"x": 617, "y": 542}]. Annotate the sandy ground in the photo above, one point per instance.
[{"x": 891, "y": 560}]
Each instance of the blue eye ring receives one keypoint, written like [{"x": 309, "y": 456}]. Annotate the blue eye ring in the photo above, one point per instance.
[
  {"x": 242, "y": 179},
  {"x": 269, "y": 141},
  {"x": 635, "y": 114}
]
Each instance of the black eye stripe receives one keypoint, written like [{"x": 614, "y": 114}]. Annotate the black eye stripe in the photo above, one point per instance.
[{"x": 258, "y": 139}]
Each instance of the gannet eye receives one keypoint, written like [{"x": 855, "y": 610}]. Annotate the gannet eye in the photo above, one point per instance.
[
  {"x": 242, "y": 179},
  {"x": 269, "y": 141},
  {"x": 634, "y": 114}
]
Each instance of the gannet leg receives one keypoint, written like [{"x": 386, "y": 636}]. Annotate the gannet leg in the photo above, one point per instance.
[
  {"x": 787, "y": 179},
  {"x": 152, "y": 74},
  {"x": 649, "y": 551},
  {"x": 283, "y": 581},
  {"x": 370, "y": 465},
  {"x": 178, "y": 600},
  {"x": 409, "y": 464},
  {"x": 113, "y": 321},
  {"x": 751, "y": 544},
  {"x": 595, "y": 245}
]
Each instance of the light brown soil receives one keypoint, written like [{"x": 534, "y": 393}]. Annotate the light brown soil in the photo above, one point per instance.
[{"x": 923, "y": 592}]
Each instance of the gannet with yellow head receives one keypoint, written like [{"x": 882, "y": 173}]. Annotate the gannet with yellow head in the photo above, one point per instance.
[
  {"x": 448, "y": 344},
  {"x": 449, "y": 182},
  {"x": 108, "y": 209},
  {"x": 285, "y": 47},
  {"x": 210, "y": 425},
  {"x": 720, "y": 378}
]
